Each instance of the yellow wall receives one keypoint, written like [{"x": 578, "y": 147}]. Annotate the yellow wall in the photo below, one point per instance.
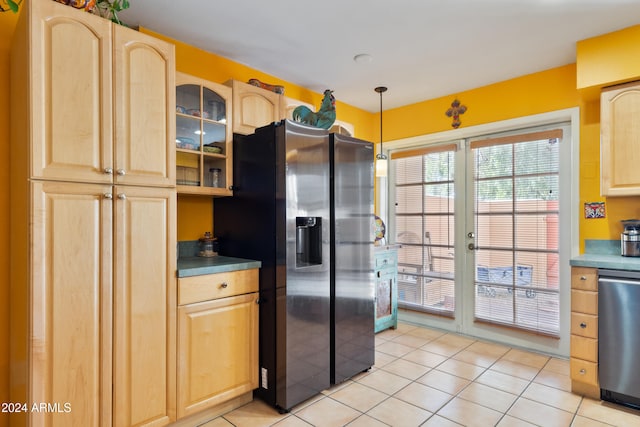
[
  {"x": 607, "y": 60},
  {"x": 531, "y": 94},
  {"x": 7, "y": 25},
  {"x": 195, "y": 216}
]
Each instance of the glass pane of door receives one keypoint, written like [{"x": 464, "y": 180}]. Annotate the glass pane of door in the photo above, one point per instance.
[
  {"x": 516, "y": 211},
  {"x": 424, "y": 223}
]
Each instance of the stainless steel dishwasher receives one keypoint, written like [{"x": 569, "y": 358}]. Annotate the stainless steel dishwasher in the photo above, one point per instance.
[{"x": 618, "y": 336}]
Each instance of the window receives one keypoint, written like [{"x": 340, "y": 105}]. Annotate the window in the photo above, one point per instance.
[{"x": 425, "y": 222}]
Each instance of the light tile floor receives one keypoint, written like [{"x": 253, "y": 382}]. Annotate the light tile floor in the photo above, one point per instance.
[{"x": 425, "y": 377}]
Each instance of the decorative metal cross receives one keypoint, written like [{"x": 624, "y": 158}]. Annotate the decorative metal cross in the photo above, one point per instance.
[{"x": 455, "y": 111}]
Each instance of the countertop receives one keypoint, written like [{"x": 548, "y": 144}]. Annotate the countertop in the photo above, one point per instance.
[
  {"x": 197, "y": 266},
  {"x": 613, "y": 262}
]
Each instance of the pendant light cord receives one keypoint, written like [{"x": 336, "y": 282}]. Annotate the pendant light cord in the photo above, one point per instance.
[{"x": 381, "y": 90}]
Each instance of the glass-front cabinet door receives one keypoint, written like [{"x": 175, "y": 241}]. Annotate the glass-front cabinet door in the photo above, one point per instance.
[{"x": 204, "y": 141}]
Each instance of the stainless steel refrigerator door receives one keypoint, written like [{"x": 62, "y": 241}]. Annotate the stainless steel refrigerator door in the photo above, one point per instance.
[
  {"x": 307, "y": 268},
  {"x": 353, "y": 282},
  {"x": 618, "y": 338}
]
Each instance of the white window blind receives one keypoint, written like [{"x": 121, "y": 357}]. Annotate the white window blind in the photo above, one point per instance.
[
  {"x": 424, "y": 215},
  {"x": 516, "y": 211}
]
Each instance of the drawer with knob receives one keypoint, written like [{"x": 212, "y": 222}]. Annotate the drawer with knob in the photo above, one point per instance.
[
  {"x": 583, "y": 371},
  {"x": 584, "y": 278},
  {"x": 213, "y": 286},
  {"x": 585, "y": 325}
]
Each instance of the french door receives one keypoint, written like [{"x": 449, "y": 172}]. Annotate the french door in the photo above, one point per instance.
[
  {"x": 514, "y": 209},
  {"x": 479, "y": 223}
]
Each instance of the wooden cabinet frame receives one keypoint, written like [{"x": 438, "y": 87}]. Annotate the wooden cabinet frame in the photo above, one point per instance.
[
  {"x": 218, "y": 351},
  {"x": 619, "y": 137}
]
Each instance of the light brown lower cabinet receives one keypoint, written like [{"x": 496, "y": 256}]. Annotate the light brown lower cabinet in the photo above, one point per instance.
[
  {"x": 93, "y": 305},
  {"x": 217, "y": 341},
  {"x": 584, "y": 332}
]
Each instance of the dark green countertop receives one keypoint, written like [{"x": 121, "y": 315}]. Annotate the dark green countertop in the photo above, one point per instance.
[
  {"x": 600, "y": 253},
  {"x": 197, "y": 266},
  {"x": 612, "y": 262}
]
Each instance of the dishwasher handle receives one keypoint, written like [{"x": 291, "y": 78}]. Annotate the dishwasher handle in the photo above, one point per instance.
[
  {"x": 622, "y": 281},
  {"x": 604, "y": 273}
]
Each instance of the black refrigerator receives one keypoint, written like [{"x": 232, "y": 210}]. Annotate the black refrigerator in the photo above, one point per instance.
[{"x": 303, "y": 206}]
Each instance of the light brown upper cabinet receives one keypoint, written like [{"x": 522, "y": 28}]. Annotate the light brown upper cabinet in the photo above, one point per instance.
[
  {"x": 204, "y": 141},
  {"x": 100, "y": 98},
  {"x": 620, "y": 140},
  {"x": 253, "y": 107}
]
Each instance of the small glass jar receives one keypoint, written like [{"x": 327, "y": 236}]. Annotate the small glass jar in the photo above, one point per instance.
[
  {"x": 214, "y": 174},
  {"x": 207, "y": 245}
]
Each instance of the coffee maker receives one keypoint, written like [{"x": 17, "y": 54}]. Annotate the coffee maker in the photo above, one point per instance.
[{"x": 630, "y": 238}]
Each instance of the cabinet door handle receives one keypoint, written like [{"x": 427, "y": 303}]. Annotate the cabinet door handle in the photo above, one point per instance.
[
  {"x": 108, "y": 196},
  {"x": 583, "y": 371},
  {"x": 583, "y": 277},
  {"x": 121, "y": 172},
  {"x": 223, "y": 285},
  {"x": 583, "y": 325},
  {"x": 108, "y": 171},
  {"x": 122, "y": 196}
]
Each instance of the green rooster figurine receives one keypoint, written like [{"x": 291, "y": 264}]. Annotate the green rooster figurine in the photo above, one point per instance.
[{"x": 323, "y": 118}]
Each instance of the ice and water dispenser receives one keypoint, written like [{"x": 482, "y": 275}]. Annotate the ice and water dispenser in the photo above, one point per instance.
[{"x": 308, "y": 240}]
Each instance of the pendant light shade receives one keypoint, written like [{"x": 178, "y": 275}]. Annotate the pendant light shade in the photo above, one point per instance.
[
  {"x": 381, "y": 159},
  {"x": 381, "y": 165}
]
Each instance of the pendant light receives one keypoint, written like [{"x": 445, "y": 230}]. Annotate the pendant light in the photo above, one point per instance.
[{"x": 381, "y": 159}]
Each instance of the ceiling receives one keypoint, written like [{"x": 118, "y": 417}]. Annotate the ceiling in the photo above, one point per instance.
[{"x": 419, "y": 49}]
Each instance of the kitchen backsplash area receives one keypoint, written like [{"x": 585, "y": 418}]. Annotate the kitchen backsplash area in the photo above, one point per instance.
[
  {"x": 188, "y": 248},
  {"x": 602, "y": 247}
]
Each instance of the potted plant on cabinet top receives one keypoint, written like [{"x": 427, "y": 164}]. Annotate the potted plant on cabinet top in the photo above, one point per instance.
[
  {"x": 106, "y": 8},
  {"x": 109, "y": 9}
]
